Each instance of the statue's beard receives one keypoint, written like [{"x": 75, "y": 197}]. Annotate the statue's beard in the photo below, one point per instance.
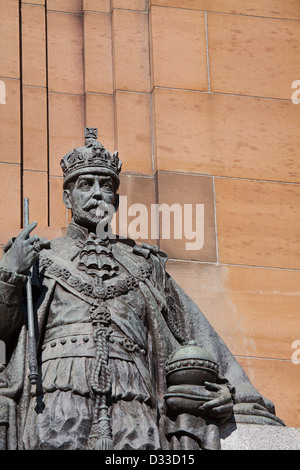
[{"x": 92, "y": 215}]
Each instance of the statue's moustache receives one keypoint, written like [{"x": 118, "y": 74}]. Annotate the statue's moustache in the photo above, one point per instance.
[
  {"x": 102, "y": 210},
  {"x": 100, "y": 206}
]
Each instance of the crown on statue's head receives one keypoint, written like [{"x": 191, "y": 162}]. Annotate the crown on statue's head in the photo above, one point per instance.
[{"x": 93, "y": 158}]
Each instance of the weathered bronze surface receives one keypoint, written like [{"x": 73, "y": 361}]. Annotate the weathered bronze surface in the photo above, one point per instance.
[{"x": 126, "y": 360}]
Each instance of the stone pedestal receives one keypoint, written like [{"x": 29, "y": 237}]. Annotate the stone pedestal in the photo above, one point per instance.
[{"x": 258, "y": 437}]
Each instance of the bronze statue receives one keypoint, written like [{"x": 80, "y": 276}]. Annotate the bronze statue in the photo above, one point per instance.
[{"x": 125, "y": 358}]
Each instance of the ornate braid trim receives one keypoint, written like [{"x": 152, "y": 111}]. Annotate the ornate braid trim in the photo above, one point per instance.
[{"x": 120, "y": 287}]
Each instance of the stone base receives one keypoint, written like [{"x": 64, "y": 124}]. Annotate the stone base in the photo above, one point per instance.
[{"x": 259, "y": 437}]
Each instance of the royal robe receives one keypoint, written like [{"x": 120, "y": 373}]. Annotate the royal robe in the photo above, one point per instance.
[{"x": 151, "y": 317}]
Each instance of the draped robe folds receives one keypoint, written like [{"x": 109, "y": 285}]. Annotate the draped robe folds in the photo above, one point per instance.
[{"x": 142, "y": 371}]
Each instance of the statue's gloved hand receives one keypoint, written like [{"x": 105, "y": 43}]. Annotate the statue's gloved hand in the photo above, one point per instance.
[
  {"x": 220, "y": 408},
  {"x": 23, "y": 251},
  {"x": 254, "y": 413}
]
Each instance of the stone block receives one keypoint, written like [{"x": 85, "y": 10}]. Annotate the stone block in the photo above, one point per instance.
[
  {"x": 98, "y": 53},
  {"x": 258, "y": 223},
  {"x": 131, "y": 46},
  {"x": 178, "y": 48},
  {"x": 133, "y": 114},
  {"x": 258, "y": 437},
  {"x": 238, "y": 43}
]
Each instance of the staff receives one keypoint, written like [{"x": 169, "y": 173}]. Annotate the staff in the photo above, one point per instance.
[{"x": 32, "y": 353}]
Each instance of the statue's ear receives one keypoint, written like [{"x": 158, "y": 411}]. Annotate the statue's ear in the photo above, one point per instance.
[
  {"x": 67, "y": 199},
  {"x": 116, "y": 203}
]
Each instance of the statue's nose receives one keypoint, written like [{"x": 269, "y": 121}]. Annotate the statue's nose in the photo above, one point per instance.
[{"x": 97, "y": 191}]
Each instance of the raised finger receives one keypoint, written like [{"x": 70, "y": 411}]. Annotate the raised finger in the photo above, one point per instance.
[{"x": 27, "y": 230}]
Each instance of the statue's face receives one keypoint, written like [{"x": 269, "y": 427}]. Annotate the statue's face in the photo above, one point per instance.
[{"x": 91, "y": 198}]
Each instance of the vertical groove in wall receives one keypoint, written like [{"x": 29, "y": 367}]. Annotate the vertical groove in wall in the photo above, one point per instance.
[
  {"x": 47, "y": 111},
  {"x": 153, "y": 123},
  {"x": 152, "y": 118},
  {"x": 207, "y": 51},
  {"x": 215, "y": 219},
  {"x": 152, "y": 132},
  {"x": 156, "y": 189},
  {"x": 21, "y": 117},
  {"x": 84, "y": 68},
  {"x": 113, "y": 76},
  {"x": 84, "y": 81},
  {"x": 83, "y": 59}
]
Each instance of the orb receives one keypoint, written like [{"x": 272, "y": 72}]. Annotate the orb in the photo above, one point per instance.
[{"x": 191, "y": 365}]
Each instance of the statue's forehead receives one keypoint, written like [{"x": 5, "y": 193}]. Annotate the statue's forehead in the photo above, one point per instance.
[
  {"x": 100, "y": 176},
  {"x": 92, "y": 178}
]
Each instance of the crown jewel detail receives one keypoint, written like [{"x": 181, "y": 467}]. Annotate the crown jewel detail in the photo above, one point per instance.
[{"x": 92, "y": 157}]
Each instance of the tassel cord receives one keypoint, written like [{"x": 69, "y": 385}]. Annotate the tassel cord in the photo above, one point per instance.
[{"x": 100, "y": 377}]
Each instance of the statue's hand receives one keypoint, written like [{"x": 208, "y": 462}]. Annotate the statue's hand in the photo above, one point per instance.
[
  {"x": 21, "y": 253},
  {"x": 219, "y": 409}
]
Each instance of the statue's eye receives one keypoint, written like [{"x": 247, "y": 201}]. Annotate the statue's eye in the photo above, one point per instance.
[
  {"x": 107, "y": 186},
  {"x": 84, "y": 184}
]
